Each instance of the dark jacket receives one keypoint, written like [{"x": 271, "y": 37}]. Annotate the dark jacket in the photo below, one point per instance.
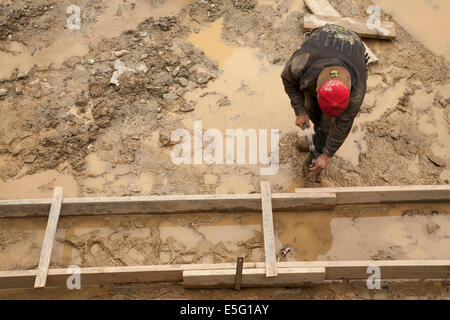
[{"x": 328, "y": 46}]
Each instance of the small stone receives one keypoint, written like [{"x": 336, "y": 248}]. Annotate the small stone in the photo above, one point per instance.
[
  {"x": 170, "y": 96},
  {"x": 29, "y": 158},
  {"x": 276, "y": 60},
  {"x": 187, "y": 108},
  {"x": 202, "y": 78},
  {"x": 143, "y": 34},
  {"x": 158, "y": 109},
  {"x": 182, "y": 81},
  {"x": 144, "y": 56},
  {"x": 3, "y": 92},
  {"x": 159, "y": 116},
  {"x": 395, "y": 135},
  {"x": 22, "y": 75},
  {"x": 176, "y": 71},
  {"x": 9, "y": 36},
  {"x": 142, "y": 67},
  {"x": 91, "y": 61},
  {"x": 120, "y": 53}
]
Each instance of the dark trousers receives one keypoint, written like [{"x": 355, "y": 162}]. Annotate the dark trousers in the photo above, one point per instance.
[{"x": 322, "y": 122}]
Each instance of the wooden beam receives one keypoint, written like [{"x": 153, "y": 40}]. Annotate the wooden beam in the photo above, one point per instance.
[
  {"x": 390, "y": 269},
  {"x": 358, "y": 25},
  {"x": 47, "y": 246},
  {"x": 253, "y": 278},
  {"x": 323, "y": 8},
  {"x": 384, "y": 194},
  {"x": 269, "y": 237},
  {"x": 334, "y": 270},
  {"x": 165, "y": 204}
]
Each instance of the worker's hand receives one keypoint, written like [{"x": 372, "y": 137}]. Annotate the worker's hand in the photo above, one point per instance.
[
  {"x": 301, "y": 120},
  {"x": 321, "y": 163}
]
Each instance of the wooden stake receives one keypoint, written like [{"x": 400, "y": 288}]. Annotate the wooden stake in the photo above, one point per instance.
[
  {"x": 269, "y": 238},
  {"x": 46, "y": 251},
  {"x": 238, "y": 278}
]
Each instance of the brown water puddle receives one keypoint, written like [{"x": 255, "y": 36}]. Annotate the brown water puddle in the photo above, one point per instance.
[
  {"x": 117, "y": 17},
  {"x": 413, "y": 231},
  {"x": 39, "y": 185},
  {"x": 252, "y": 85},
  {"x": 426, "y": 20}
]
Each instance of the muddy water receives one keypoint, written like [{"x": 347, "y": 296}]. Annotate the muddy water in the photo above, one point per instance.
[
  {"x": 248, "y": 94},
  {"x": 426, "y": 20},
  {"x": 118, "y": 17},
  {"x": 250, "y": 83},
  {"x": 420, "y": 231},
  {"x": 39, "y": 185}
]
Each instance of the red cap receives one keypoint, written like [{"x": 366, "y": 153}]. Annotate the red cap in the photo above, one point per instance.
[{"x": 333, "y": 97}]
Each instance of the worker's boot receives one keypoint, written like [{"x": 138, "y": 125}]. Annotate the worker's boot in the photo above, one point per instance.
[
  {"x": 311, "y": 179},
  {"x": 302, "y": 144}
]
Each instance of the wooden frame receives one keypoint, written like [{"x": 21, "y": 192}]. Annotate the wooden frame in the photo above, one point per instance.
[
  {"x": 219, "y": 274},
  {"x": 320, "y": 198},
  {"x": 268, "y": 273}
]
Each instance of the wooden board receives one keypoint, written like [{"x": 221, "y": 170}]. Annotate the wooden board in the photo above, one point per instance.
[
  {"x": 323, "y": 8},
  {"x": 253, "y": 278},
  {"x": 334, "y": 270},
  {"x": 384, "y": 194},
  {"x": 47, "y": 246},
  {"x": 269, "y": 237},
  {"x": 165, "y": 204},
  {"x": 358, "y": 25}
]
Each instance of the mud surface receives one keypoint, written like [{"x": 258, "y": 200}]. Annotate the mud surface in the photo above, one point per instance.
[{"x": 92, "y": 110}]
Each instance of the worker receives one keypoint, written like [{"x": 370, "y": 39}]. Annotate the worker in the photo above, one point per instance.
[{"x": 326, "y": 82}]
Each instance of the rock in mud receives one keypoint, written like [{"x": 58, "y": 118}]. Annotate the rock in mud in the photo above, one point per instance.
[
  {"x": 202, "y": 78},
  {"x": 170, "y": 96},
  {"x": 120, "y": 53},
  {"x": 188, "y": 107},
  {"x": 182, "y": 81}
]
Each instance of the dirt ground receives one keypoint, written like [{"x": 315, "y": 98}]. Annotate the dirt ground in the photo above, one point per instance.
[{"x": 92, "y": 110}]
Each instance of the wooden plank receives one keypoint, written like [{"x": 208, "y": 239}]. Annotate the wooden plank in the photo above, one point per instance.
[
  {"x": 269, "y": 237},
  {"x": 47, "y": 246},
  {"x": 323, "y": 8},
  {"x": 384, "y": 194},
  {"x": 317, "y": 198},
  {"x": 334, "y": 270},
  {"x": 390, "y": 269},
  {"x": 253, "y": 278},
  {"x": 165, "y": 204},
  {"x": 358, "y": 25}
]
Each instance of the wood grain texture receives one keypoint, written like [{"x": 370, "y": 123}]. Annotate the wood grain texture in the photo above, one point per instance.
[
  {"x": 385, "y": 31},
  {"x": 334, "y": 270},
  {"x": 269, "y": 237},
  {"x": 47, "y": 246}
]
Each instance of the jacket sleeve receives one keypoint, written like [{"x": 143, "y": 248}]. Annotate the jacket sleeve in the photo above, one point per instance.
[
  {"x": 343, "y": 123},
  {"x": 291, "y": 76}
]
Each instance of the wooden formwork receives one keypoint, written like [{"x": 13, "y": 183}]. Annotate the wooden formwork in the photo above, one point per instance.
[{"x": 268, "y": 273}]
